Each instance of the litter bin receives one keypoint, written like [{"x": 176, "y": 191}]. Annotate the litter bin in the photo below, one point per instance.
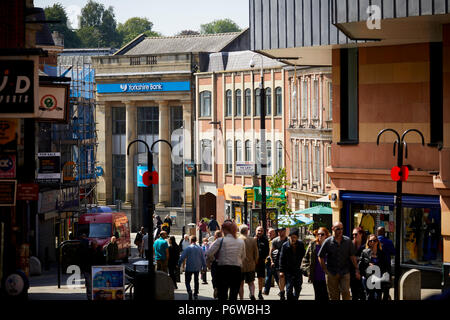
[{"x": 191, "y": 227}]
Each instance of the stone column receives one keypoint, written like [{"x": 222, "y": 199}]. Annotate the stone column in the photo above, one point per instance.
[
  {"x": 104, "y": 151},
  {"x": 187, "y": 147},
  {"x": 165, "y": 161},
  {"x": 130, "y": 135}
]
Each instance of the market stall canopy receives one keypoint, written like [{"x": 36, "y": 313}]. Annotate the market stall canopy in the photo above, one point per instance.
[{"x": 316, "y": 210}]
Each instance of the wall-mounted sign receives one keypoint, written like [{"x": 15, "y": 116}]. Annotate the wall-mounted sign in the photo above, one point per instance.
[
  {"x": 245, "y": 168},
  {"x": 53, "y": 102},
  {"x": 28, "y": 191},
  {"x": 7, "y": 166},
  {"x": 189, "y": 168},
  {"x": 69, "y": 171},
  {"x": 9, "y": 133},
  {"x": 49, "y": 166},
  {"x": 48, "y": 201},
  {"x": 143, "y": 87},
  {"x": 18, "y": 87},
  {"x": 68, "y": 198},
  {"x": 8, "y": 193}
]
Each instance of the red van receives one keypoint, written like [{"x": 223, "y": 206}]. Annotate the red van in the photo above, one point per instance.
[{"x": 101, "y": 226}]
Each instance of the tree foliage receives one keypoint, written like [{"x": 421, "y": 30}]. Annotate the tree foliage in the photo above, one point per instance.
[
  {"x": 188, "y": 33},
  {"x": 58, "y": 13},
  {"x": 134, "y": 27},
  {"x": 219, "y": 26},
  {"x": 278, "y": 183}
]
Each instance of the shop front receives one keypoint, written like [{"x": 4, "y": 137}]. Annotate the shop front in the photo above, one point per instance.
[
  {"x": 421, "y": 239},
  {"x": 237, "y": 203}
]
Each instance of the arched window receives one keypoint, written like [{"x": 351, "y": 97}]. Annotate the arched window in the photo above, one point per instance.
[
  {"x": 205, "y": 104},
  {"x": 229, "y": 156},
  {"x": 268, "y": 93},
  {"x": 206, "y": 155},
  {"x": 279, "y": 162},
  {"x": 229, "y": 106},
  {"x": 238, "y": 103},
  {"x": 248, "y": 150},
  {"x": 257, "y": 112},
  {"x": 248, "y": 102},
  {"x": 278, "y": 102},
  {"x": 238, "y": 151}
]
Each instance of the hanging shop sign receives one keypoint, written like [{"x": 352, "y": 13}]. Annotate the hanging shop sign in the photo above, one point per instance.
[
  {"x": 245, "y": 168},
  {"x": 19, "y": 86},
  {"x": 189, "y": 168},
  {"x": 7, "y": 166},
  {"x": 143, "y": 87},
  {"x": 48, "y": 201},
  {"x": 8, "y": 193},
  {"x": 68, "y": 198},
  {"x": 28, "y": 191},
  {"x": 9, "y": 134},
  {"x": 54, "y": 102},
  {"x": 49, "y": 166}
]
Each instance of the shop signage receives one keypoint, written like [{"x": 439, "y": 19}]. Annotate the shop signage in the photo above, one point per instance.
[
  {"x": 245, "y": 168},
  {"x": 9, "y": 132},
  {"x": 189, "y": 168},
  {"x": 143, "y": 87},
  {"x": 18, "y": 87},
  {"x": 141, "y": 170},
  {"x": 234, "y": 193},
  {"x": 108, "y": 282},
  {"x": 250, "y": 195},
  {"x": 53, "y": 102},
  {"x": 28, "y": 191},
  {"x": 48, "y": 201},
  {"x": 68, "y": 198},
  {"x": 220, "y": 192},
  {"x": 8, "y": 193},
  {"x": 7, "y": 166},
  {"x": 238, "y": 215},
  {"x": 49, "y": 166}
]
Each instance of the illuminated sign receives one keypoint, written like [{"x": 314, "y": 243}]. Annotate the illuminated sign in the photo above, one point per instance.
[{"x": 143, "y": 87}]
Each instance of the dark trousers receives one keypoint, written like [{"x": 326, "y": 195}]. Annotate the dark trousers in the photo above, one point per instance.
[
  {"x": 293, "y": 285},
  {"x": 270, "y": 272},
  {"x": 188, "y": 276},
  {"x": 214, "y": 274},
  {"x": 320, "y": 290},
  {"x": 357, "y": 289},
  {"x": 204, "y": 280},
  {"x": 173, "y": 274},
  {"x": 228, "y": 278}
]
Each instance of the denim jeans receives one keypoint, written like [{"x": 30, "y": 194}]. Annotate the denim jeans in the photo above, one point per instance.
[
  {"x": 188, "y": 277},
  {"x": 268, "y": 282},
  {"x": 293, "y": 285}
]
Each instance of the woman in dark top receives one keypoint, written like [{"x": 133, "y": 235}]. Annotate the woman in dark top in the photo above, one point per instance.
[
  {"x": 356, "y": 286},
  {"x": 174, "y": 256},
  {"x": 312, "y": 268},
  {"x": 374, "y": 261}
]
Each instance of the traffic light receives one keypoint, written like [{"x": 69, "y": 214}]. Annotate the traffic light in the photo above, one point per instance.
[{"x": 398, "y": 173}]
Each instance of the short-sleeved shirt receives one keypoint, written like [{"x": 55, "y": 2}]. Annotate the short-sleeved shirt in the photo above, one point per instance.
[
  {"x": 213, "y": 225},
  {"x": 277, "y": 243},
  {"x": 338, "y": 255},
  {"x": 160, "y": 247}
]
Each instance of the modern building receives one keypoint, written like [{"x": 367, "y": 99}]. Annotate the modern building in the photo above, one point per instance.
[
  {"x": 228, "y": 131},
  {"x": 146, "y": 91},
  {"x": 390, "y": 62}
]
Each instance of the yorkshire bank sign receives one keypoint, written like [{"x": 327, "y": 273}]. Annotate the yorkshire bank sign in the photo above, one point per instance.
[{"x": 143, "y": 87}]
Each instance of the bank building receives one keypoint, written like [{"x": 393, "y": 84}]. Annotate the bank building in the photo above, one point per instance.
[{"x": 146, "y": 91}]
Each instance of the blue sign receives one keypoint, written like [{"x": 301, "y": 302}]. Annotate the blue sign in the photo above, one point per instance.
[
  {"x": 140, "y": 173},
  {"x": 143, "y": 87}
]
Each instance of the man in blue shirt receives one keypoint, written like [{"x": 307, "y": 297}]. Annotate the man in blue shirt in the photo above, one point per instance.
[
  {"x": 161, "y": 248},
  {"x": 389, "y": 249},
  {"x": 195, "y": 261},
  {"x": 213, "y": 225}
]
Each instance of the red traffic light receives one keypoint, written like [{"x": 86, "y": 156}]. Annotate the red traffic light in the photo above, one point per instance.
[
  {"x": 398, "y": 173},
  {"x": 149, "y": 178}
]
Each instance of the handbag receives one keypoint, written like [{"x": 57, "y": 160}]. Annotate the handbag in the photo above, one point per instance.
[{"x": 216, "y": 256}]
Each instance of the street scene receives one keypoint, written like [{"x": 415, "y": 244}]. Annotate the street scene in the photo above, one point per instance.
[{"x": 242, "y": 151}]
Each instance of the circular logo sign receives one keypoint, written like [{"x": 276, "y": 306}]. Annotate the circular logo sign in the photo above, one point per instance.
[
  {"x": 48, "y": 102},
  {"x": 14, "y": 284},
  {"x": 6, "y": 164}
]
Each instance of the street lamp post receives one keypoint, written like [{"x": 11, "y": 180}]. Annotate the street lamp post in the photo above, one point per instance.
[
  {"x": 399, "y": 143},
  {"x": 263, "y": 158},
  {"x": 150, "y": 211}
]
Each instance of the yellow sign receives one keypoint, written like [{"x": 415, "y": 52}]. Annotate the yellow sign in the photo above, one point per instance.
[
  {"x": 250, "y": 195},
  {"x": 9, "y": 129},
  {"x": 238, "y": 215},
  {"x": 234, "y": 193},
  {"x": 220, "y": 192}
]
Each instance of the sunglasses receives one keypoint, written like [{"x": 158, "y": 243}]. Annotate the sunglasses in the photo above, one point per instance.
[
  {"x": 355, "y": 234},
  {"x": 373, "y": 241},
  {"x": 337, "y": 229},
  {"x": 321, "y": 234}
]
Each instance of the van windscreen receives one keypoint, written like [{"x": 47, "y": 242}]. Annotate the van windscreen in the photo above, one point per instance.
[{"x": 95, "y": 230}]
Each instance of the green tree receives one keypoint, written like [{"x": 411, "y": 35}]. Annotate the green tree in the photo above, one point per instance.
[
  {"x": 98, "y": 26},
  {"x": 134, "y": 27},
  {"x": 57, "y": 12},
  {"x": 277, "y": 184},
  {"x": 219, "y": 26},
  {"x": 188, "y": 33}
]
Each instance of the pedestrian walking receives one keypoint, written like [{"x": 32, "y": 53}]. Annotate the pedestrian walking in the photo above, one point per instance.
[
  {"x": 213, "y": 225},
  {"x": 184, "y": 243},
  {"x": 203, "y": 228},
  {"x": 229, "y": 261},
  {"x": 167, "y": 224},
  {"x": 174, "y": 256},
  {"x": 161, "y": 248},
  {"x": 263, "y": 253},
  {"x": 211, "y": 262},
  {"x": 388, "y": 247},
  {"x": 374, "y": 256},
  {"x": 139, "y": 243},
  {"x": 335, "y": 256},
  {"x": 359, "y": 244},
  {"x": 205, "y": 248},
  {"x": 157, "y": 227},
  {"x": 291, "y": 256},
  {"x": 145, "y": 246},
  {"x": 277, "y": 244},
  {"x": 311, "y": 266},
  {"x": 249, "y": 262},
  {"x": 270, "y": 274},
  {"x": 195, "y": 261},
  {"x": 112, "y": 251}
]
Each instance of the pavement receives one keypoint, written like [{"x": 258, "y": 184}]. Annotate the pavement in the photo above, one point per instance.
[{"x": 45, "y": 286}]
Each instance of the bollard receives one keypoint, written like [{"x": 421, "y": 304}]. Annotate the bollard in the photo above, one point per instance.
[{"x": 410, "y": 285}]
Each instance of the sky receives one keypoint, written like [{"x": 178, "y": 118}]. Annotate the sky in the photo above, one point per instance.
[{"x": 169, "y": 17}]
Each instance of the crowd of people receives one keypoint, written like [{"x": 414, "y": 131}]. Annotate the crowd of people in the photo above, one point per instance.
[{"x": 338, "y": 267}]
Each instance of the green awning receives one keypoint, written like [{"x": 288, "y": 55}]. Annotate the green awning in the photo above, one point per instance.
[{"x": 316, "y": 210}]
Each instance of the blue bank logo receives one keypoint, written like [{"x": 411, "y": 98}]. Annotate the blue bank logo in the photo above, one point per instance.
[
  {"x": 143, "y": 87},
  {"x": 124, "y": 87}
]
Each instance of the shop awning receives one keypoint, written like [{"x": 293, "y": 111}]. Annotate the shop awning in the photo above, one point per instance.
[{"x": 316, "y": 210}]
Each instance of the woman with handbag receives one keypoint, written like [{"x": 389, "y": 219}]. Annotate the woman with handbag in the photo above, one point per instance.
[
  {"x": 374, "y": 267},
  {"x": 211, "y": 262},
  {"x": 174, "y": 255}
]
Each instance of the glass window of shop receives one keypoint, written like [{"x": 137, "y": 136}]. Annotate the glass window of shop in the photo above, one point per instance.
[{"x": 421, "y": 242}]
